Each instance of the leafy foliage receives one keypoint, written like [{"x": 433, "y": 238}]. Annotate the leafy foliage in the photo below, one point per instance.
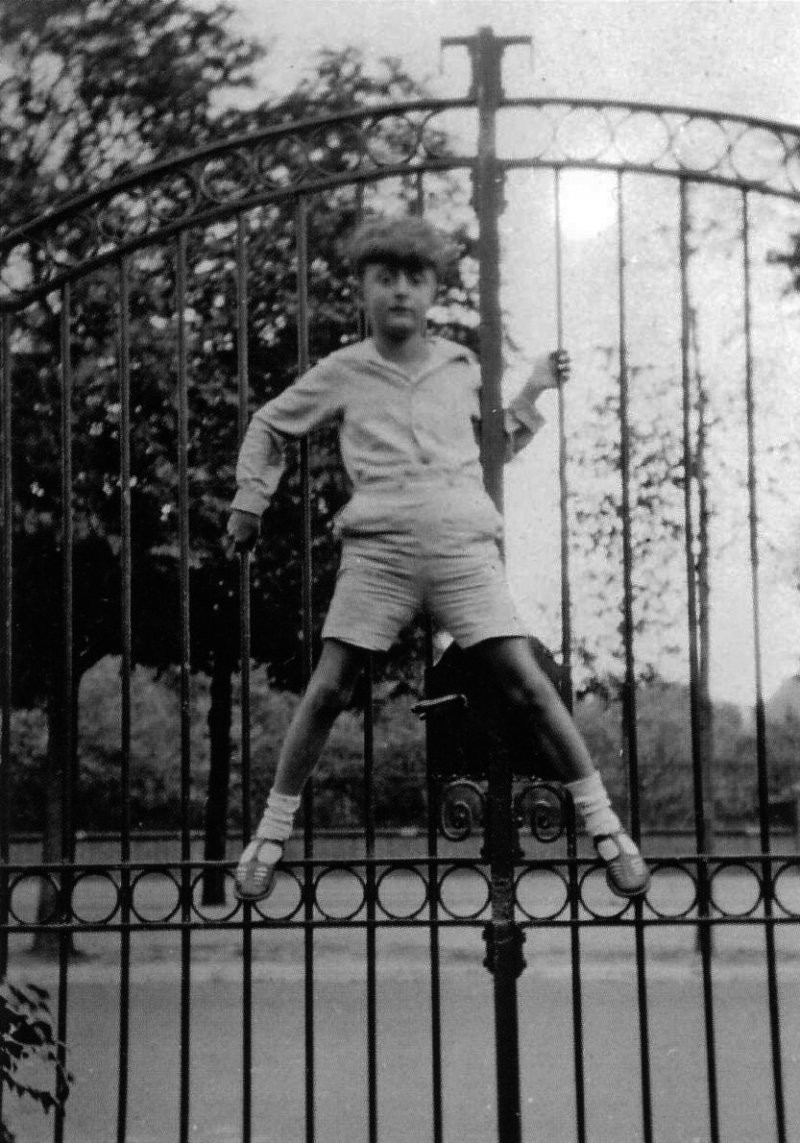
[
  {"x": 663, "y": 736},
  {"x": 70, "y": 121},
  {"x": 26, "y": 1036}
]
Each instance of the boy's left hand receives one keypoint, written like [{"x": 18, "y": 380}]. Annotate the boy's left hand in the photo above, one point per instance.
[
  {"x": 550, "y": 371},
  {"x": 562, "y": 366}
]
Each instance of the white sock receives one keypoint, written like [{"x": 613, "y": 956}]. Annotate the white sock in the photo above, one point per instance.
[
  {"x": 593, "y": 804},
  {"x": 277, "y": 823}
]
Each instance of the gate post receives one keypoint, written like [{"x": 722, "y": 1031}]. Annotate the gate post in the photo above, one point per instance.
[{"x": 503, "y": 936}]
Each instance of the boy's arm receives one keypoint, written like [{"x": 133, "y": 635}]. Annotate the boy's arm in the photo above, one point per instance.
[
  {"x": 312, "y": 401},
  {"x": 522, "y": 419}
]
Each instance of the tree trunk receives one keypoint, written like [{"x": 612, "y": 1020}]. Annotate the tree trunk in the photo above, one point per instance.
[
  {"x": 57, "y": 831},
  {"x": 216, "y": 809}
]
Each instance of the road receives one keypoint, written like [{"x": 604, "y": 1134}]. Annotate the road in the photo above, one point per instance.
[{"x": 611, "y": 1028}]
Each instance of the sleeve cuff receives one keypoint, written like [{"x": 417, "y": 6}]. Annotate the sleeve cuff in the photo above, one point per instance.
[
  {"x": 523, "y": 412},
  {"x": 246, "y": 500}
]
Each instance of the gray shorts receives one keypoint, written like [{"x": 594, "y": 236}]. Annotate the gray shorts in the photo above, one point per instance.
[{"x": 384, "y": 581}]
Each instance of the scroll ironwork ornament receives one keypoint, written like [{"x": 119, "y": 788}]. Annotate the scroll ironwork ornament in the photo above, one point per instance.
[
  {"x": 542, "y": 805},
  {"x": 462, "y": 808}
]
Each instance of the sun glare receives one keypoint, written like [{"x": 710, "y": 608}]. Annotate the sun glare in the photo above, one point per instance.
[{"x": 588, "y": 204}]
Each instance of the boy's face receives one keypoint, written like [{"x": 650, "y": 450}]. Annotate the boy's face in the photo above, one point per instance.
[{"x": 397, "y": 298}]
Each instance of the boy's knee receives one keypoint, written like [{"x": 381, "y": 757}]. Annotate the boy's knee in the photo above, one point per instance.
[
  {"x": 532, "y": 694},
  {"x": 330, "y": 695}
]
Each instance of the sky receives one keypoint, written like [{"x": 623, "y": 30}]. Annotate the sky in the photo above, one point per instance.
[{"x": 738, "y": 57}]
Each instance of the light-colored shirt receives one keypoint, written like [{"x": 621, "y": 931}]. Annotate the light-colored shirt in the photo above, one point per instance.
[{"x": 396, "y": 430}]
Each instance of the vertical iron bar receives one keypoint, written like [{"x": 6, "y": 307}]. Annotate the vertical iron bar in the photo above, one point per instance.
[
  {"x": 504, "y": 950},
  {"x": 566, "y": 659},
  {"x": 244, "y": 682},
  {"x": 629, "y": 690},
  {"x": 761, "y": 743},
  {"x": 6, "y": 625},
  {"x": 419, "y": 194},
  {"x": 703, "y": 887},
  {"x": 369, "y": 834},
  {"x": 566, "y": 597},
  {"x": 434, "y": 948},
  {"x": 629, "y": 686},
  {"x": 185, "y": 692},
  {"x": 301, "y": 237},
  {"x": 67, "y": 586},
  {"x": 504, "y": 937},
  {"x": 488, "y": 204},
  {"x": 125, "y": 695},
  {"x": 68, "y": 683},
  {"x": 433, "y": 917}
]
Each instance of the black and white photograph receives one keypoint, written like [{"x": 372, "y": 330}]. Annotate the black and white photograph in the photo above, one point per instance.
[{"x": 399, "y": 571}]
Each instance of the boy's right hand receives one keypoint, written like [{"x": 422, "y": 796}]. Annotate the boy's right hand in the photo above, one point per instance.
[{"x": 242, "y": 532}]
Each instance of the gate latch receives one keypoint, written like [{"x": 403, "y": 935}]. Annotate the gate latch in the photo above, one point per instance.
[{"x": 428, "y": 706}]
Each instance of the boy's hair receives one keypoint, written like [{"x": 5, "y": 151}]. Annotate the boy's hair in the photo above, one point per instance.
[{"x": 404, "y": 241}]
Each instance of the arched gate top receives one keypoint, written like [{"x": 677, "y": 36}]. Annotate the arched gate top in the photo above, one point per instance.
[{"x": 150, "y": 204}]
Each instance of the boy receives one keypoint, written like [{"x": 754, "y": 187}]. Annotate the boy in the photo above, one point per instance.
[{"x": 420, "y": 531}]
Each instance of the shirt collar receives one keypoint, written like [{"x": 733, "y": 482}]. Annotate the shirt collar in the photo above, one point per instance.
[{"x": 442, "y": 351}]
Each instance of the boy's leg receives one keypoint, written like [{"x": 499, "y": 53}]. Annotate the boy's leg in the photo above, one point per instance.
[
  {"x": 527, "y": 687},
  {"x": 328, "y": 693}
]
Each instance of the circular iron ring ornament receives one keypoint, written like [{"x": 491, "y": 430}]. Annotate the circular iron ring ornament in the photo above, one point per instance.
[
  {"x": 226, "y": 178},
  {"x": 666, "y": 877},
  {"x": 536, "y": 875},
  {"x": 729, "y": 890},
  {"x": 335, "y": 150},
  {"x": 402, "y": 872},
  {"x": 392, "y": 140},
  {"x": 128, "y": 214},
  {"x": 155, "y": 881},
  {"x": 91, "y": 878},
  {"x": 758, "y": 155},
  {"x": 584, "y": 134},
  {"x": 476, "y": 874},
  {"x": 37, "y": 880},
  {"x": 210, "y": 912},
  {"x": 607, "y": 906},
  {"x": 700, "y": 145},
  {"x": 642, "y": 138},
  {"x": 134, "y": 210},
  {"x": 340, "y": 873},
  {"x": 287, "y": 884},
  {"x": 787, "y": 896}
]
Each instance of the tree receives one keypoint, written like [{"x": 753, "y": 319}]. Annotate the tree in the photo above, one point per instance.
[{"x": 66, "y": 122}]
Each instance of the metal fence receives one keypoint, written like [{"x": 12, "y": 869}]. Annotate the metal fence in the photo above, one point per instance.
[{"x": 119, "y": 234}]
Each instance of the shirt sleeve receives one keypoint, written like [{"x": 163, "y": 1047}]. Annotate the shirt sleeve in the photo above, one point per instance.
[
  {"x": 522, "y": 419},
  {"x": 311, "y": 402}
]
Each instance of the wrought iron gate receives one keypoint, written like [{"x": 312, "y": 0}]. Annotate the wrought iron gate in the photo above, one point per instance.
[{"x": 149, "y": 217}]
